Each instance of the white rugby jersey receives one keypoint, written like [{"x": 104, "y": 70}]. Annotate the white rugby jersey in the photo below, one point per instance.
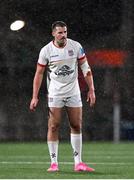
[{"x": 62, "y": 68}]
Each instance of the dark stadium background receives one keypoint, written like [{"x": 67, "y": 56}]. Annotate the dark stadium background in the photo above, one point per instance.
[{"x": 105, "y": 28}]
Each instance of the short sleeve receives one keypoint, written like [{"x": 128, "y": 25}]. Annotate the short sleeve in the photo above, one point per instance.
[
  {"x": 81, "y": 53},
  {"x": 43, "y": 60}
]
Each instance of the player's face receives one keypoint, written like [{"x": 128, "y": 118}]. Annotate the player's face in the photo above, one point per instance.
[{"x": 60, "y": 35}]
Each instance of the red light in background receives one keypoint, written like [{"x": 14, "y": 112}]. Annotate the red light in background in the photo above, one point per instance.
[
  {"x": 110, "y": 58},
  {"x": 103, "y": 58}
]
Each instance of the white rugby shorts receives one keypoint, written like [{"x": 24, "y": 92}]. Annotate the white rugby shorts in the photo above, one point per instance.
[{"x": 73, "y": 101}]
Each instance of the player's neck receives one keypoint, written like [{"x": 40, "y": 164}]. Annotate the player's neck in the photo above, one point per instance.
[{"x": 59, "y": 45}]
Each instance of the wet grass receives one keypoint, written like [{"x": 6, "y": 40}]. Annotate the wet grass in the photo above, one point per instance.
[{"x": 30, "y": 161}]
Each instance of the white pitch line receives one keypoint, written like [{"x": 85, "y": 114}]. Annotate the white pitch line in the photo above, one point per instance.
[
  {"x": 96, "y": 156},
  {"x": 69, "y": 163}
]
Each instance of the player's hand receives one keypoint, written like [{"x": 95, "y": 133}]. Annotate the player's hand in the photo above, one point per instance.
[
  {"x": 33, "y": 104},
  {"x": 91, "y": 97}
]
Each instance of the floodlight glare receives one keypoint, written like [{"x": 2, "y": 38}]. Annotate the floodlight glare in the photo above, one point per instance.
[{"x": 16, "y": 25}]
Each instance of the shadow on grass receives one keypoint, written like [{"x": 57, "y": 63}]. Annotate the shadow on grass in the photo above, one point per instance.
[
  {"x": 81, "y": 173},
  {"x": 63, "y": 172}
]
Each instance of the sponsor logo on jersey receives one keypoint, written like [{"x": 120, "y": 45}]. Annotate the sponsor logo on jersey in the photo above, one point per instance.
[
  {"x": 54, "y": 56},
  {"x": 64, "y": 71},
  {"x": 70, "y": 52}
]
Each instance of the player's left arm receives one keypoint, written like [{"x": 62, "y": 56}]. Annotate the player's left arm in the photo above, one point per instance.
[{"x": 86, "y": 69}]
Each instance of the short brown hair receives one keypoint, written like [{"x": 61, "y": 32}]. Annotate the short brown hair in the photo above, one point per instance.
[{"x": 58, "y": 24}]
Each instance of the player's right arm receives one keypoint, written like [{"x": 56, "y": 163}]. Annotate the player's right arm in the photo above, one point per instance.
[{"x": 36, "y": 86}]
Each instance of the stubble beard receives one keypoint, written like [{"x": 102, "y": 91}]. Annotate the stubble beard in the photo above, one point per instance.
[{"x": 62, "y": 42}]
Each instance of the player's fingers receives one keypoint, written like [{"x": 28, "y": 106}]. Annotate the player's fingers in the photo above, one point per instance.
[
  {"x": 88, "y": 98},
  {"x": 92, "y": 101},
  {"x": 32, "y": 106}
]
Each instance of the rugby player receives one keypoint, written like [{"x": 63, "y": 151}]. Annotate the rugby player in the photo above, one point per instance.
[{"x": 61, "y": 58}]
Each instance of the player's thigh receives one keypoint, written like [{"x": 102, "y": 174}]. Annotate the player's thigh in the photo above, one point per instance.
[
  {"x": 55, "y": 115},
  {"x": 74, "y": 115}
]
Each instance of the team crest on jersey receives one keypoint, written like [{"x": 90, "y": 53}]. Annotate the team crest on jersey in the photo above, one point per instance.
[{"x": 70, "y": 52}]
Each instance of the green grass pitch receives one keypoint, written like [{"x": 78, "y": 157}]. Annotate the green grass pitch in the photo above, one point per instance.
[{"x": 30, "y": 161}]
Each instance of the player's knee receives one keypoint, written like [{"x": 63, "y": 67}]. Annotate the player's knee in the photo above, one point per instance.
[
  {"x": 76, "y": 127},
  {"x": 53, "y": 127}
]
